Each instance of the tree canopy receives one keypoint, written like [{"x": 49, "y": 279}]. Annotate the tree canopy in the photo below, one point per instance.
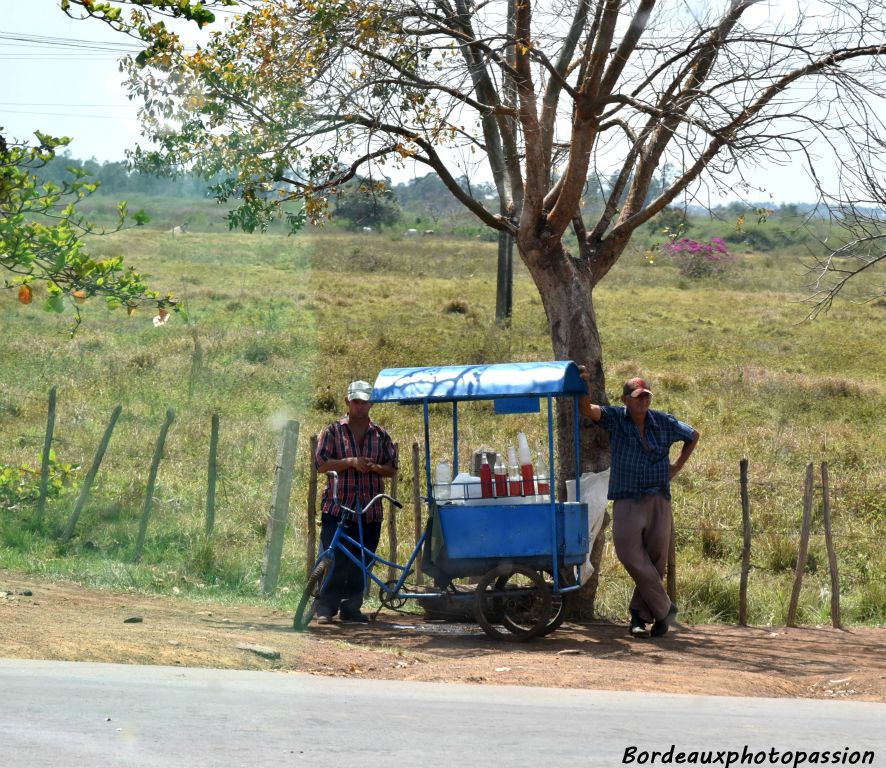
[
  {"x": 298, "y": 96},
  {"x": 364, "y": 203}
]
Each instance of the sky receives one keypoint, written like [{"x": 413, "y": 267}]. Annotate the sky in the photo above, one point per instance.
[
  {"x": 70, "y": 86},
  {"x": 67, "y": 90}
]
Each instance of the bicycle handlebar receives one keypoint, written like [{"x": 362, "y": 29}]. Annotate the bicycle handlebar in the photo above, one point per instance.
[{"x": 333, "y": 476}]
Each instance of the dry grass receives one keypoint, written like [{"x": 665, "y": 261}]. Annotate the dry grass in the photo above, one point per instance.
[{"x": 280, "y": 325}]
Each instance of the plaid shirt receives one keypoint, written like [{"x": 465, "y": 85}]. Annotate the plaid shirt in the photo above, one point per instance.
[
  {"x": 639, "y": 469},
  {"x": 338, "y": 442}
]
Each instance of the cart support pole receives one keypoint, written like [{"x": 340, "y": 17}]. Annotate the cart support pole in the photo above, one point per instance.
[
  {"x": 576, "y": 441},
  {"x": 454, "y": 438},
  {"x": 551, "y": 474},
  {"x": 552, "y": 505},
  {"x": 416, "y": 506},
  {"x": 392, "y": 523},
  {"x": 428, "y": 448}
]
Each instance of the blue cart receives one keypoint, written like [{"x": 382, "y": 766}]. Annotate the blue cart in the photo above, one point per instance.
[{"x": 525, "y": 549}]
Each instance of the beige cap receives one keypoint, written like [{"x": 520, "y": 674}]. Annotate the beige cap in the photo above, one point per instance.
[{"x": 360, "y": 390}]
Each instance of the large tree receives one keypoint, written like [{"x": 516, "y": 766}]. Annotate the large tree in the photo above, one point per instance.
[{"x": 298, "y": 96}]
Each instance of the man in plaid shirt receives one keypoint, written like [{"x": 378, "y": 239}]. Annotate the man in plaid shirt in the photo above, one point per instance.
[
  {"x": 640, "y": 440},
  {"x": 362, "y": 454}
]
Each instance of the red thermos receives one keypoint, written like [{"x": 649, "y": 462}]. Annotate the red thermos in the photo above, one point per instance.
[
  {"x": 485, "y": 478},
  {"x": 501, "y": 478},
  {"x": 527, "y": 471}
]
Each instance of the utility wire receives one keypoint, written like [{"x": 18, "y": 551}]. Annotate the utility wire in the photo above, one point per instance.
[
  {"x": 55, "y": 104},
  {"x": 15, "y": 39},
  {"x": 63, "y": 114},
  {"x": 117, "y": 48}
]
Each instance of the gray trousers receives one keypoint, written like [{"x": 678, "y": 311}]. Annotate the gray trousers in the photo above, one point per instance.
[{"x": 641, "y": 531}]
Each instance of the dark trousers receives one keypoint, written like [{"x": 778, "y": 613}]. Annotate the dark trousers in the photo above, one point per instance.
[
  {"x": 641, "y": 531},
  {"x": 344, "y": 591}
]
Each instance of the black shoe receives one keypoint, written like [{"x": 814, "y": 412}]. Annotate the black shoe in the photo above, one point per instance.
[
  {"x": 323, "y": 615},
  {"x": 355, "y": 618},
  {"x": 638, "y": 626},
  {"x": 661, "y": 626}
]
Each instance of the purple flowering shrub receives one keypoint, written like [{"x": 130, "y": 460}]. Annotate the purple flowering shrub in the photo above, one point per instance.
[{"x": 696, "y": 259}]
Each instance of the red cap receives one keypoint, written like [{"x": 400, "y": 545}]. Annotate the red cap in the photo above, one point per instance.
[{"x": 636, "y": 387}]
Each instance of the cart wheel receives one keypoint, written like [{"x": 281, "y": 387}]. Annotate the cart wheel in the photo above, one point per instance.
[
  {"x": 559, "y": 606},
  {"x": 514, "y": 598},
  {"x": 391, "y": 600},
  {"x": 559, "y": 610},
  {"x": 308, "y": 601},
  {"x": 560, "y": 603}
]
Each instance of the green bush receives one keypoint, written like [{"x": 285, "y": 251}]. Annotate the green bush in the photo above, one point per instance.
[{"x": 21, "y": 485}]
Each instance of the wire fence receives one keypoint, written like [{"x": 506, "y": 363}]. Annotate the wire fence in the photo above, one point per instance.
[{"x": 806, "y": 520}]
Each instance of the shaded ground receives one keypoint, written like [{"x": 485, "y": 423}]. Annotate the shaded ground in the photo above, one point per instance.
[{"x": 69, "y": 622}]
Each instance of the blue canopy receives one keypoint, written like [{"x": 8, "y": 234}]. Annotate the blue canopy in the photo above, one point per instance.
[{"x": 477, "y": 382}]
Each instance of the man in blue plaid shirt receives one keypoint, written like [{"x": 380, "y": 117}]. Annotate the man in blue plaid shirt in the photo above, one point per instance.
[
  {"x": 363, "y": 455},
  {"x": 640, "y": 440}
]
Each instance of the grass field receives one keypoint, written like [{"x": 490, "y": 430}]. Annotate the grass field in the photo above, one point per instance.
[{"x": 278, "y": 326}]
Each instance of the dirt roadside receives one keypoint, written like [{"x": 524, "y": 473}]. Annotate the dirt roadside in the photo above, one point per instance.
[{"x": 60, "y": 620}]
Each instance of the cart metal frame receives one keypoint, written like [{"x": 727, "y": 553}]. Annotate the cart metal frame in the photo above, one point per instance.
[{"x": 526, "y": 553}]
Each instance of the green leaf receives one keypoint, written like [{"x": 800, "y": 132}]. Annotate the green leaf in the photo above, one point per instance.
[{"x": 54, "y": 303}]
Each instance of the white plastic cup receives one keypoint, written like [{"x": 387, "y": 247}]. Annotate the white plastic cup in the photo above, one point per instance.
[
  {"x": 523, "y": 452},
  {"x": 570, "y": 490},
  {"x": 443, "y": 481}
]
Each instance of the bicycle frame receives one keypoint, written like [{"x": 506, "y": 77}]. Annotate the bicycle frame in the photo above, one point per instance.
[
  {"x": 340, "y": 540},
  {"x": 368, "y": 560}
]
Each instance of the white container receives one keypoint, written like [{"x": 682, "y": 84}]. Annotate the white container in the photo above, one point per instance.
[
  {"x": 505, "y": 501},
  {"x": 523, "y": 452},
  {"x": 570, "y": 490},
  {"x": 594, "y": 486},
  {"x": 466, "y": 486},
  {"x": 443, "y": 482}
]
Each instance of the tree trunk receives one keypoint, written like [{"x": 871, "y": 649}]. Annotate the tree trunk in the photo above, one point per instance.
[
  {"x": 504, "y": 292},
  {"x": 566, "y": 285}
]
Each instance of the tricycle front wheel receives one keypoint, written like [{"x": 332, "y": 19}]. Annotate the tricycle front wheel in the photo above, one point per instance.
[
  {"x": 515, "y": 599},
  {"x": 308, "y": 602}
]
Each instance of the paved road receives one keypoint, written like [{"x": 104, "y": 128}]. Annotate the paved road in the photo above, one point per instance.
[{"x": 73, "y": 715}]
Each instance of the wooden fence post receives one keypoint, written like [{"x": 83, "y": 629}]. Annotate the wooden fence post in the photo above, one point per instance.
[
  {"x": 672, "y": 566},
  {"x": 279, "y": 508},
  {"x": 44, "y": 464},
  {"x": 90, "y": 475},
  {"x": 212, "y": 476},
  {"x": 311, "y": 546},
  {"x": 416, "y": 508},
  {"x": 829, "y": 542},
  {"x": 746, "y": 547},
  {"x": 152, "y": 480},
  {"x": 392, "y": 524},
  {"x": 803, "y": 549}
]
